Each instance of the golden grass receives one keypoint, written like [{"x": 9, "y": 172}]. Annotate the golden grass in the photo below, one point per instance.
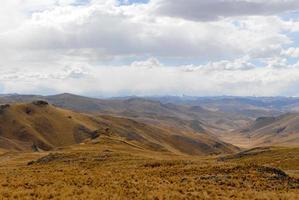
[{"x": 111, "y": 169}]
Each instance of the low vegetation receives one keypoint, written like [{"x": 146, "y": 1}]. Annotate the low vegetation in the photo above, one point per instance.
[{"x": 111, "y": 169}]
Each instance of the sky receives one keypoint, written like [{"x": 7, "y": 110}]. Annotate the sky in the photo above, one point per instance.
[{"x": 150, "y": 47}]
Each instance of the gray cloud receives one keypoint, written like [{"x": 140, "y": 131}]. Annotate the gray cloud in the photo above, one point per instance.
[
  {"x": 207, "y": 10},
  {"x": 97, "y": 32}
]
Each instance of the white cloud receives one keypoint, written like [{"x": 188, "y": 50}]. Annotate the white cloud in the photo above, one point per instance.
[
  {"x": 225, "y": 78},
  {"x": 291, "y": 52},
  {"x": 15, "y": 12},
  {"x": 149, "y": 63},
  {"x": 56, "y": 46},
  {"x": 277, "y": 62}
]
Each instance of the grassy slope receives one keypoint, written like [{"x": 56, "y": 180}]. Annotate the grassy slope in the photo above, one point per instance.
[
  {"x": 47, "y": 127},
  {"x": 282, "y": 130},
  {"x": 281, "y": 157},
  {"x": 137, "y": 108},
  {"x": 111, "y": 168},
  {"x": 266, "y": 131}
]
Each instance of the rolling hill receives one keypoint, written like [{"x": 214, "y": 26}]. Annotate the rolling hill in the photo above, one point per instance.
[
  {"x": 235, "y": 120},
  {"x": 39, "y": 126},
  {"x": 282, "y": 130},
  {"x": 141, "y": 109}
]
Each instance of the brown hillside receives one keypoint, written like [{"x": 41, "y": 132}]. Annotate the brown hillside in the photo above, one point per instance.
[
  {"x": 268, "y": 131},
  {"x": 140, "y": 108},
  {"x": 39, "y": 126}
]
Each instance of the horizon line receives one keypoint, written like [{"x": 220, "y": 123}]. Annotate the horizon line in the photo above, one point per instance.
[{"x": 144, "y": 96}]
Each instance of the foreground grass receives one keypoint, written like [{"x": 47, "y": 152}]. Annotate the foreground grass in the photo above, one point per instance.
[{"x": 97, "y": 172}]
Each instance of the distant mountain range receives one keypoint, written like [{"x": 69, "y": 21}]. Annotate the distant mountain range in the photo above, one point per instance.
[
  {"x": 222, "y": 113},
  {"x": 248, "y": 106}
]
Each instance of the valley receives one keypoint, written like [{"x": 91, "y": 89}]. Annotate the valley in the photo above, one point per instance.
[{"x": 74, "y": 147}]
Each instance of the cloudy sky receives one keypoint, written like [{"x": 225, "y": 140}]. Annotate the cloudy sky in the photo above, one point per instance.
[{"x": 150, "y": 47}]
